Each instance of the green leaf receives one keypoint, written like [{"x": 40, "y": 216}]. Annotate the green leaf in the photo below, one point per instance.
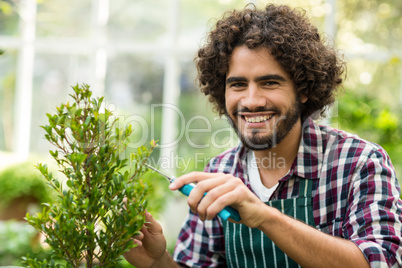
[
  {"x": 69, "y": 183},
  {"x": 102, "y": 118},
  {"x": 54, "y": 153}
]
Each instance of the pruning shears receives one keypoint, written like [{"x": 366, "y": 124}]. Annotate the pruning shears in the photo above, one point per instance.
[{"x": 224, "y": 214}]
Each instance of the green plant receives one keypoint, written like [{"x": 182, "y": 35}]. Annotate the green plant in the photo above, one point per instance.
[
  {"x": 22, "y": 180},
  {"x": 101, "y": 204},
  {"x": 373, "y": 120},
  {"x": 19, "y": 239}
]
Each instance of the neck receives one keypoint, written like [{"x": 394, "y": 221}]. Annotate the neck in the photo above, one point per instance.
[{"x": 275, "y": 162}]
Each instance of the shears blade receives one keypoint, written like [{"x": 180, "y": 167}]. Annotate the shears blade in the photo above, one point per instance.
[{"x": 160, "y": 172}]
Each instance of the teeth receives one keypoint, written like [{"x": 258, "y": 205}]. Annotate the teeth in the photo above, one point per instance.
[{"x": 257, "y": 119}]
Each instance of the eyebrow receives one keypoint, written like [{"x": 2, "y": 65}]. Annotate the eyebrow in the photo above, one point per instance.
[
  {"x": 276, "y": 77},
  {"x": 260, "y": 78},
  {"x": 235, "y": 79}
]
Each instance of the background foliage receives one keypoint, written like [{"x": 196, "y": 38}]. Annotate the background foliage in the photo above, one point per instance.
[
  {"x": 374, "y": 121},
  {"x": 21, "y": 180},
  {"x": 368, "y": 32}
]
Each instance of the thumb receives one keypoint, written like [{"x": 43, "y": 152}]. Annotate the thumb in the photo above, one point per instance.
[{"x": 152, "y": 226}]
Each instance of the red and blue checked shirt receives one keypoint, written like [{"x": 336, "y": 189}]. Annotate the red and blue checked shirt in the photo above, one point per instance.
[{"x": 355, "y": 196}]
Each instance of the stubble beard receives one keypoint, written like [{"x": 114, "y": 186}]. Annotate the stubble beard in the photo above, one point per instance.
[{"x": 283, "y": 125}]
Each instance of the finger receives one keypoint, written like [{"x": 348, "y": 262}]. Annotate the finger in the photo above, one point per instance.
[
  {"x": 139, "y": 236},
  {"x": 190, "y": 178},
  {"x": 227, "y": 198},
  {"x": 197, "y": 195},
  {"x": 202, "y": 187},
  {"x": 248, "y": 205},
  {"x": 137, "y": 242},
  {"x": 216, "y": 198},
  {"x": 125, "y": 202},
  {"x": 151, "y": 225}
]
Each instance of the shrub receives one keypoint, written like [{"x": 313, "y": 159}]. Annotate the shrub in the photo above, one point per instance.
[{"x": 101, "y": 204}]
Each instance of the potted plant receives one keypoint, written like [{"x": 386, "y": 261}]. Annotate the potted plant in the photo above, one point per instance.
[
  {"x": 101, "y": 203},
  {"x": 22, "y": 188}
]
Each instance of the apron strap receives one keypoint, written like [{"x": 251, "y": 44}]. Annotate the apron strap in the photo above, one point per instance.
[
  {"x": 305, "y": 187},
  {"x": 249, "y": 247}
]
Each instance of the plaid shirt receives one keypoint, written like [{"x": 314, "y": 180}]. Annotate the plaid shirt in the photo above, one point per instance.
[{"x": 355, "y": 196}]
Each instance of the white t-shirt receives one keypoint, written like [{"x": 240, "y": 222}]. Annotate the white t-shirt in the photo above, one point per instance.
[{"x": 259, "y": 189}]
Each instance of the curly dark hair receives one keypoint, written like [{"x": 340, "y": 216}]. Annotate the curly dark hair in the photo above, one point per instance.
[{"x": 293, "y": 41}]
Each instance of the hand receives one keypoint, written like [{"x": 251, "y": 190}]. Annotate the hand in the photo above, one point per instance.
[
  {"x": 222, "y": 190},
  {"x": 151, "y": 245}
]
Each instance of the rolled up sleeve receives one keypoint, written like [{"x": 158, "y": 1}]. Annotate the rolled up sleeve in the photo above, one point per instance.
[{"x": 373, "y": 219}]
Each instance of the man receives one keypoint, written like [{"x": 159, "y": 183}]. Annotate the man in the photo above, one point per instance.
[{"x": 307, "y": 195}]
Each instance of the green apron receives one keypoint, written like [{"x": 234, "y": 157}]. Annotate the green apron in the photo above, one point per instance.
[{"x": 249, "y": 247}]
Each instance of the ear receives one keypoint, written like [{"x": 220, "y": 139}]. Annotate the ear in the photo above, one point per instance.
[{"x": 303, "y": 98}]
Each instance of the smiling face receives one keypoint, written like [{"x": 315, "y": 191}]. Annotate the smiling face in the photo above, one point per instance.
[{"x": 261, "y": 100}]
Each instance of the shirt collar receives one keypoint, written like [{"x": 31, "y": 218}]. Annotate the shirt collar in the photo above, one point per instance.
[{"x": 308, "y": 161}]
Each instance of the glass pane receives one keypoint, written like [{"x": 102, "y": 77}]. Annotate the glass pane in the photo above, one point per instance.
[
  {"x": 198, "y": 17},
  {"x": 134, "y": 79},
  {"x": 203, "y": 134},
  {"x": 53, "y": 77},
  {"x": 137, "y": 20},
  {"x": 8, "y": 18},
  {"x": 133, "y": 84},
  {"x": 64, "y": 18},
  {"x": 7, "y": 95}
]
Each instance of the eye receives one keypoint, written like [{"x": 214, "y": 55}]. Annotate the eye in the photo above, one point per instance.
[
  {"x": 270, "y": 84},
  {"x": 237, "y": 85}
]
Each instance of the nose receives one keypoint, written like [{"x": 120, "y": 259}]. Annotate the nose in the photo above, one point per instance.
[{"x": 253, "y": 98}]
